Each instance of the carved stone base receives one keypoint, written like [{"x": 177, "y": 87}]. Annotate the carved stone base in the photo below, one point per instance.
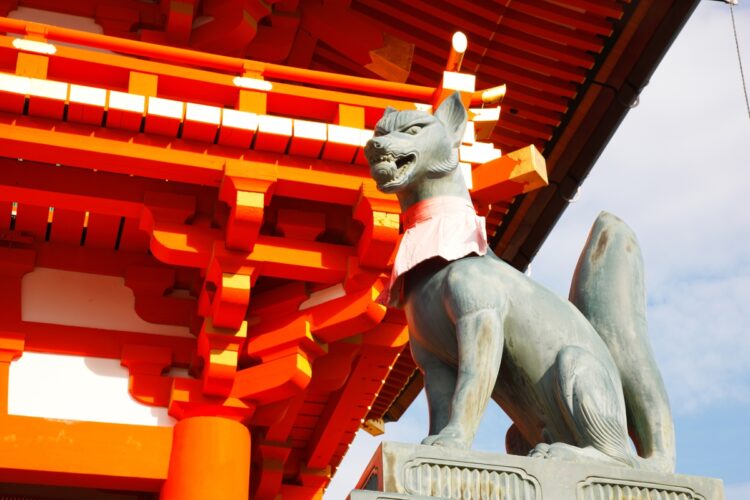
[{"x": 408, "y": 471}]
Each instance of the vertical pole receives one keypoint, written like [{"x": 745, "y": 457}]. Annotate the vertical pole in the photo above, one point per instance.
[
  {"x": 11, "y": 347},
  {"x": 4, "y": 381},
  {"x": 210, "y": 459}
]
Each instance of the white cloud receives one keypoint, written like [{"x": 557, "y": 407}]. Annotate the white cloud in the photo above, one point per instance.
[
  {"x": 677, "y": 172},
  {"x": 699, "y": 331}
]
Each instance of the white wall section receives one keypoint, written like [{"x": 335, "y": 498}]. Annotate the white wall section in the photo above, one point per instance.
[
  {"x": 77, "y": 388},
  {"x": 88, "y": 300}
]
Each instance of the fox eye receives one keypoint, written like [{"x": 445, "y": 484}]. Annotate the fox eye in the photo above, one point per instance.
[{"x": 414, "y": 129}]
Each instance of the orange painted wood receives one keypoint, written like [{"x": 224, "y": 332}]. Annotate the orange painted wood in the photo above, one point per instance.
[
  {"x": 366, "y": 378},
  {"x": 84, "y": 454},
  {"x": 510, "y": 175},
  {"x": 320, "y": 415},
  {"x": 47, "y": 98},
  {"x": 4, "y": 379},
  {"x": 199, "y": 127},
  {"x": 201, "y": 59},
  {"x": 13, "y": 91},
  {"x": 67, "y": 226},
  {"x": 210, "y": 458},
  {"x": 98, "y": 342},
  {"x": 163, "y": 116},
  {"x": 102, "y": 230},
  {"x": 237, "y": 128},
  {"x": 32, "y": 220},
  {"x": 91, "y": 8},
  {"x": 150, "y": 285},
  {"x": 218, "y": 349},
  {"x": 86, "y": 104},
  {"x": 308, "y": 138},
  {"x": 132, "y": 239},
  {"x": 6, "y": 209},
  {"x": 145, "y": 366},
  {"x": 274, "y": 133},
  {"x": 107, "y": 152},
  {"x": 125, "y": 111},
  {"x": 342, "y": 144},
  {"x": 579, "y": 21},
  {"x": 187, "y": 399},
  {"x": 11, "y": 348},
  {"x": 86, "y": 259}
]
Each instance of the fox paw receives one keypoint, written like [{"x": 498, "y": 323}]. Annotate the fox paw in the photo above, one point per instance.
[
  {"x": 447, "y": 438},
  {"x": 540, "y": 451},
  {"x": 569, "y": 453}
]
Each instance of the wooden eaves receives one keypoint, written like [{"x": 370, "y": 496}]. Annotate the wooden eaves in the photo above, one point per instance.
[{"x": 629, "y": 57}]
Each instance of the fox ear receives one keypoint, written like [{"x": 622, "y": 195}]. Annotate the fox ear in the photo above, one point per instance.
[
  {"x": 453, "y": 115},
  {"x": 388, "y": 110}
]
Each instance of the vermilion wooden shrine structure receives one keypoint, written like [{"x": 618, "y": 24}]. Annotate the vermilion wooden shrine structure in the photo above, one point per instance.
[
  {"x": 243, "y": 186},
  {"x": 231, "y": 197}
]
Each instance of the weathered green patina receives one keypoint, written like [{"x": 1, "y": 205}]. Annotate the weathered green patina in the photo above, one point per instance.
[{"x": 574, "y": 376}]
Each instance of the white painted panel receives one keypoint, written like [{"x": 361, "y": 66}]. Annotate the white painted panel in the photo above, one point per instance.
[
  {"x": 239, "y": 119},
  {"x": 167, "y": 108},
  {"x": 77, "y": 388},
  {"x": 57, "y": 19},
  {"x": 202, "y": 113},
  {"x": 127, "y": 102},
  {"x": 88, "y": 300},
  {"x": 79, "y": 23},
  {"x": 322, "y": 296},
  {"x": 88, "y": 95}
]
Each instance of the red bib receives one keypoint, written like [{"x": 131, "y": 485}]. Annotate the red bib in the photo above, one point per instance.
[{"x": 444, "y": 226}]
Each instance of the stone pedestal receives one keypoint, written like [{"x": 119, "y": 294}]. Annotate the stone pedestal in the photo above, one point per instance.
[{"x": 407, "y": 471}]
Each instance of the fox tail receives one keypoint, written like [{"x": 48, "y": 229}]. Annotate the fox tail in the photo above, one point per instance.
[{"x": 608, "y": 288}]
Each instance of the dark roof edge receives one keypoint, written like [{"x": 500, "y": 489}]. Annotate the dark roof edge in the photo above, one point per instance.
[{"x": 620, "y": 76}]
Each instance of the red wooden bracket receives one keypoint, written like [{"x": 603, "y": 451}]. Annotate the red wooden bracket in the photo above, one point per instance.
[
  {"x": 299, "y": 224},
  {"x": 11, "y": 345},
  {"x": 271, "y": 458},
  {"x": 379, "y": 214},
  {"x": 332, "y": 370},
  {"x": 285, "y": 355},
  {"x": 219, "y": 348},
  {"x": 146, "y": 365},
  {"x": 246, "y": 196},
  {"x": 227, "y": 303},
  {"x": 188, "y": 399},
  {"x": 149, "y": 285}
]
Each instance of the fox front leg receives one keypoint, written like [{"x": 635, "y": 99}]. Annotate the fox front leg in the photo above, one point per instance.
[
  {"x": 439, "y": 386},
  {"x": 479, "y": 336}
]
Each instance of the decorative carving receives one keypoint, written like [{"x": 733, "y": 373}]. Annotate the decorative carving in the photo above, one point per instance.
[
  {"x": 416, "y": 472},
  {"x": 567, "y": 373},
  {"x": 598, "y": 488},
  {"x": 456, "y": 479}
]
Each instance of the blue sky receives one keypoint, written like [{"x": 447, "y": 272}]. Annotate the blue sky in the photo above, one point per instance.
[{"x": 678, "y": 172}]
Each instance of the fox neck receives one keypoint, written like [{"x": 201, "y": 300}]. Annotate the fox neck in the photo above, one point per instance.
[{"x": 450, "y": 184}]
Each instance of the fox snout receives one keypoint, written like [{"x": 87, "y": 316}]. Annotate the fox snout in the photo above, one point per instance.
[{"x": 374, "y": 148}]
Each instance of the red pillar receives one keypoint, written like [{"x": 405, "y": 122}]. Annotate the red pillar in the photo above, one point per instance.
[{"x": 210, "y": 459}]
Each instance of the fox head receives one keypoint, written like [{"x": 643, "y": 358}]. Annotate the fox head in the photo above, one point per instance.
[{"x": 410, "y": 147}]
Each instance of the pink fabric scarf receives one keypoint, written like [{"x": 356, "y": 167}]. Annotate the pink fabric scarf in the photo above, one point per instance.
[{"x": 444, "y": 226}]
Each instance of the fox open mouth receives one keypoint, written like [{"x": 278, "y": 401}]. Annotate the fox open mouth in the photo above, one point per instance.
[{"x": 392, "y": 170}]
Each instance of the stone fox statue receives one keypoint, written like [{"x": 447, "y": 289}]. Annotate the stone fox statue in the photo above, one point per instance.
[{"x": 575, "y": 377}]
